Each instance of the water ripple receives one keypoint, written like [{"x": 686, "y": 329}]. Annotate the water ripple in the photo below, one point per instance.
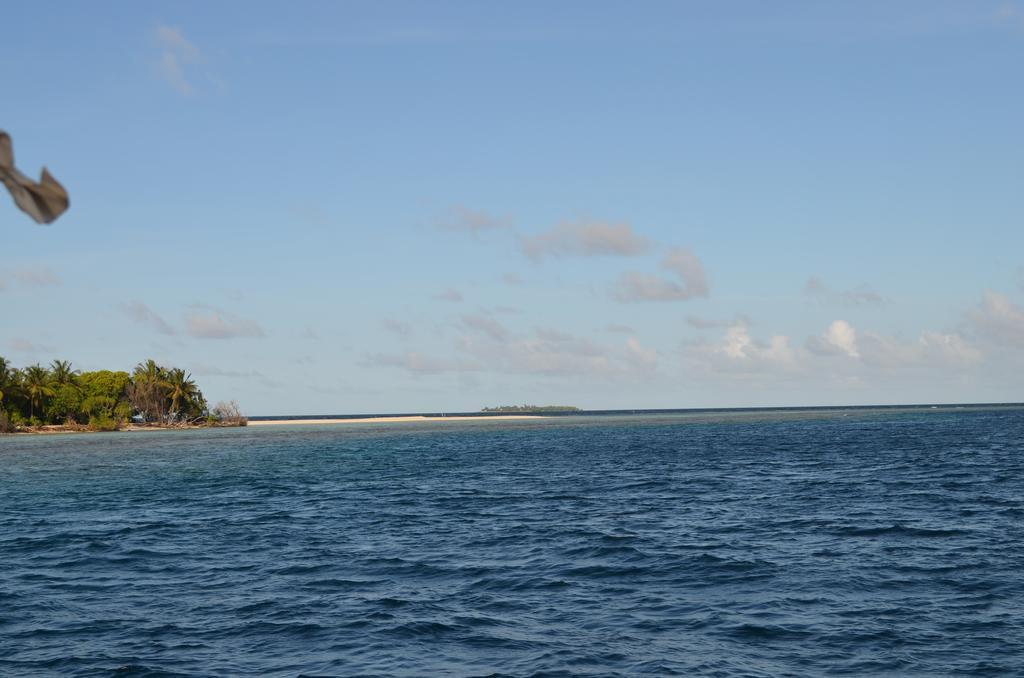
[{"x": 747, "y": 544}]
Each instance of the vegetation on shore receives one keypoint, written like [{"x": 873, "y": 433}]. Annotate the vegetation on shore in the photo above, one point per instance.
[
  {"x": 59, "y": 397},
  {"x": 530, "y": 409}
]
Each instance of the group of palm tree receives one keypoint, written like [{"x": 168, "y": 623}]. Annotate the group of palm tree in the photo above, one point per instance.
[
  {"x": 58, "y": 394},
  {"x": 163, "y": 395}
]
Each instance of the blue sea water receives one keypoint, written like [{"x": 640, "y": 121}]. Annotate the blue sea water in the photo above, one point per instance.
[{"x": 731, "y": 544}]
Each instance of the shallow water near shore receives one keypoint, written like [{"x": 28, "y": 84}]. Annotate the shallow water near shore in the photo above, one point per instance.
[{"x": 755, "y": 544}]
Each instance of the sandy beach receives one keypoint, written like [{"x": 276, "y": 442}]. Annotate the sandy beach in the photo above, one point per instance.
[{"x": 383, "y": 420}]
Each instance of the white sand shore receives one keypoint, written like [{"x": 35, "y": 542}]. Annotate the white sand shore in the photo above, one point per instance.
[{"x": 383, "y": 420}]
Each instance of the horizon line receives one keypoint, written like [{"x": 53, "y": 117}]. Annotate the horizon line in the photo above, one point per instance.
[{"x": 643, "y": 410}]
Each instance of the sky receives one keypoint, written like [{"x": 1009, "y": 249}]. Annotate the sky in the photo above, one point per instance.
[{"x": 382, "y": 207}]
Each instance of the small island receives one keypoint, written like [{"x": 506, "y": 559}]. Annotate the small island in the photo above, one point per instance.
[
  {"x": 530, "y": 409},
  {"x": 37, "y": 399}
]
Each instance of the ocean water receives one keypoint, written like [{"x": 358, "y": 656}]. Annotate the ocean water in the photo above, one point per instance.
[{"x": 732, "y": 544}]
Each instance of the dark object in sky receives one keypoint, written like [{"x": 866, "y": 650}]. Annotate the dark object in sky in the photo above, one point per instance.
[{"x": 43, "y": 201}]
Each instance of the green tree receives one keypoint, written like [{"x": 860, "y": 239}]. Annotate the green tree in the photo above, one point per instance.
[
  {"x": 104, "y": 383},
  {"x": 98, "y": 406},
  {"x": 61, "y": 372},
  {"x": 67, "y": 398},
  {"x": 66, "y": 403},
  {"x": 149, "y": 391},
  {"x": 8, "y": 380},
  {"x": 37, "y": 387},
  {"x": 182, "y": 392}
]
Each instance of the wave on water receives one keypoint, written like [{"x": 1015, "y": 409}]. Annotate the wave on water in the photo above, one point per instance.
[{"x": 882, "y": 542}]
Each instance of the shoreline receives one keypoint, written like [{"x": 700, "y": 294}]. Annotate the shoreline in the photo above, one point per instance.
[
  {"x": 60, "y": 429},
  {"x": 383, "y": 420},
  {"x": 134, "y": 428}
]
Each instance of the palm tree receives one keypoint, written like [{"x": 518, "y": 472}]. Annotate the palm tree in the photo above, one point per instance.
[
  {"x": 62, "y": 372},
  {"x": 182, "y": 389},
  {"x": 148, "y": 371},
  {"x": 150, "y": 390},
  {"x": 6, "y": 377},
  {"x": 37, "y": 386}
]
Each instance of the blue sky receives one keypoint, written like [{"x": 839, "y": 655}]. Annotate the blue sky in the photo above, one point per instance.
[{"x": 387, "y": 207}]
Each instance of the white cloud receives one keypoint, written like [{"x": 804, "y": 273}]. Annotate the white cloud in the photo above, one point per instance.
[
  {"x": 862, "y": 295},
  {"x": 999, "y": 320},
  {"x": 931, "y": 349},
  {"x": 545, "y": 353},
  {"x": 839, "y": 339},
  {"x": 217, "y": 324},
  {"x": 471, "y": 221},
  {"x": 738, "y": 345},
  {"x": 699, "y": 323},
  {"x": 176, "y": 54},
  {"x": 585, "y": 239},
  {"x": 634, "y": 286},
  {"x": 640, "y": 357},
  {"x": 142, "y": 314},
  {"x": 417, "y": 363},
  {"x": 487, "y": 325},
  {"x": 739, "y": 352}
]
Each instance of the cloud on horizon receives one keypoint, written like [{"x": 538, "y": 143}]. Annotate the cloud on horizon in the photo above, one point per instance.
[
  {"x": 488, "y": 347},
  {"x": 699, "y": 323},
  {"x": 930, "y": 349},
  {"x": 839, "y": 339},
  {"x": 546, "y": 352},
  {"x": 645, "y": 359},
  {"x": 999, "y": 320},
  {"x": 739, "y": 352}
]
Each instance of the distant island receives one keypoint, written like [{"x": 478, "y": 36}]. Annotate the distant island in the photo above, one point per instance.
[
  {"x": 531, "y": 409},
  {"x": 37, "y": 399}
]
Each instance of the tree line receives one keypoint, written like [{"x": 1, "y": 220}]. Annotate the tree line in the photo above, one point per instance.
[
  {"x": 105, "y": 400},
  {"x": 531, "y": 408}
]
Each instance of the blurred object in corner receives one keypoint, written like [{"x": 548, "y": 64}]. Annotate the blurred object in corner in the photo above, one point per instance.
[{"x": 43, "y": 201}]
